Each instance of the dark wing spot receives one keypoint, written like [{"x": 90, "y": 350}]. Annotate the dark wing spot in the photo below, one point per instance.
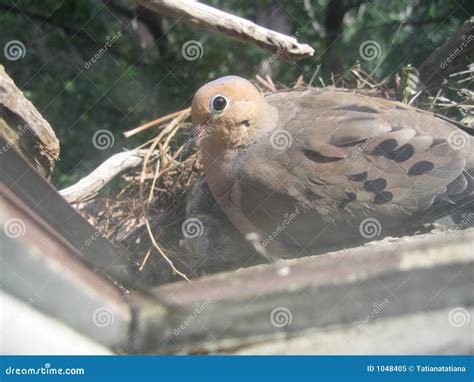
[
  {"x": 351, "y": 196},
  {"x": 361, "y": 177},
  {"x": 361, "y": 109},
  {"x": 318, "y": 158},
  {"x": 375, "y": 185},
  {"x": 420, "y": 168},
  {"x": 402, "y": 154},
  {"x": 383, "y": 197},
  {"x": 385, "y": 147}
]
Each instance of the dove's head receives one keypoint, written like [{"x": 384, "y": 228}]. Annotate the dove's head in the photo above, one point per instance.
[{"x": 228, "y": 111}]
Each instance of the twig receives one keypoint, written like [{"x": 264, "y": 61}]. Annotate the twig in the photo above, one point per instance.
[
  {"x": 147, "y": 125},
  {"x": 265, "y": 83},
  {"x": 184, "y": 114},
  {"x": 203, "y": 16},
  {"x": 90, "y": 185}
]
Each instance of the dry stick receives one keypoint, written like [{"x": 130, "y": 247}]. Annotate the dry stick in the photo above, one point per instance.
[
  {"x": 203, "y": 16},
  {"x": 265, "y": 83},
  {"x": 165, "y": 118},
  {"x": 91, "y": 184},
  {"x": 168, "y": 128},
  {"x": 145, "y": 260}
]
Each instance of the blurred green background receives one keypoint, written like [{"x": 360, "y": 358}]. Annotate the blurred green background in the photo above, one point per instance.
[{"x": 144, "y": 75}]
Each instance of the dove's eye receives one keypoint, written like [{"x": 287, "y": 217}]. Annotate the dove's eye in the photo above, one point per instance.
[{"x": 218, "y": 103}]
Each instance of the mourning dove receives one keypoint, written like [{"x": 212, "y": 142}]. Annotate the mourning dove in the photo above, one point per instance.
[{"x": 307, "y": 167}]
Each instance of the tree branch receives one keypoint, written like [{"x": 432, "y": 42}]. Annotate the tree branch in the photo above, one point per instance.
[
  {"x": 203, "y": 16},
  {"x": 456, "y": 51},
  {"x": 90, "y": 185}
]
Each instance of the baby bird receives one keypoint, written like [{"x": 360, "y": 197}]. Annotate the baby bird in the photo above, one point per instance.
[{"x": 309, "y": 167}]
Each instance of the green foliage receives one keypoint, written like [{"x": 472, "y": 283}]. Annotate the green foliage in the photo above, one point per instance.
[{"x": 143, "y": 75}]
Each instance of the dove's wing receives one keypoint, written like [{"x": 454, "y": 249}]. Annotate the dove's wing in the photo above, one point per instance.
[{"x": 338, "y": 158}]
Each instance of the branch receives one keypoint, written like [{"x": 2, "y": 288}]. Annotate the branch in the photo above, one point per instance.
[
  {"x": 23, "y": 126},
  {"x": 203, "y": 16},
  {"x": 90, "y": 185},
  {"x": 456, "y": 51}
]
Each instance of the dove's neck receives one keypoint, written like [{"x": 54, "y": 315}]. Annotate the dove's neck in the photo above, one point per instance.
[
  {"x": 219, "y": 156},
  {"x": 218, "y": 161}
]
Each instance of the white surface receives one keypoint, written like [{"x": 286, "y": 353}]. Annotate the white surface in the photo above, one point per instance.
[{"x": 24, "y": 330}]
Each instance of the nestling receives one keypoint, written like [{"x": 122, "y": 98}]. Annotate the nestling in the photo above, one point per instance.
[{"x": 337, "y": 158}]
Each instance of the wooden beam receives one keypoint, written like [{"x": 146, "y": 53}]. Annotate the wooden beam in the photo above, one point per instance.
[{"x": 393, "y": 277}]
